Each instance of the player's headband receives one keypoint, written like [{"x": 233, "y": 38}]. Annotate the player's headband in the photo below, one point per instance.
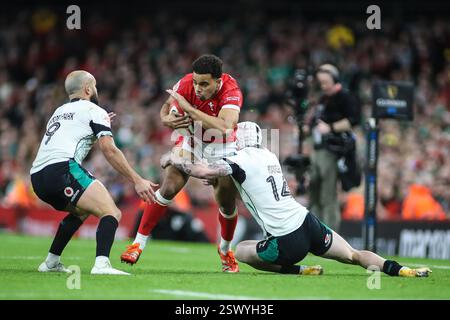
[
  {"x": 331, "y": 70},
  {"x": 248, "y": 135}
]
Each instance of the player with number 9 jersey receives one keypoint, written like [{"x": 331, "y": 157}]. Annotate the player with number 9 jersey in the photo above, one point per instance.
[
  {"x": 59, "y": 179},
  {"x": 71, "y": 132}
]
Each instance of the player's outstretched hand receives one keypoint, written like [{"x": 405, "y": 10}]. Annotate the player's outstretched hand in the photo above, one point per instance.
[
  {"x": 144, "y": 188},
  {"x": 182, "y": 102},
  {"x": 111, "y": 116}
]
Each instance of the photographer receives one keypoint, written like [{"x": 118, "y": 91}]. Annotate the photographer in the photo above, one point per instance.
[{"x": 330, "y": 128}]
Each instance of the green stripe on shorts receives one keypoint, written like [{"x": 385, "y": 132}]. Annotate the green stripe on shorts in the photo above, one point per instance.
[
  {"x": 271, "y": 253},
  {"x": 82, "y": 177}
]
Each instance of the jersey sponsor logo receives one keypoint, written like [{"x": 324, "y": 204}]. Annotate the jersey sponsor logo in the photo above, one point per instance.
[
  {"x": 327, "y": 239},
  {"x": 74, "y": 196},
  {"x": 68, "y": 191},
  {"x": 262, "y": 244},
  {"x": 274, "y": 169}
]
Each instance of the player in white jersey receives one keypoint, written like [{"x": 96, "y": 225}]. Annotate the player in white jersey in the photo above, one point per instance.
[
  {"x": 291, "y": 230},
  {"x": 59, "y": 179}
]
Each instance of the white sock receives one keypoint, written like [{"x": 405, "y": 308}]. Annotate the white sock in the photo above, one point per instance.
[
  {"x": 100, "y": 261},
  {"x": 52, "y": 260},
  {"x": 141, "y": 239},
  {"x": 161, "y": 199},
  {"x": 224, "y": 246}
]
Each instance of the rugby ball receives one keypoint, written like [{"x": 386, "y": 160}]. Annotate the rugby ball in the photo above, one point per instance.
[{"x": 174, "y": 108}]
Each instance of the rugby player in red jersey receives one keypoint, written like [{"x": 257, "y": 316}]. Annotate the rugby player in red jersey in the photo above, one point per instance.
[{"x": 214, "y": 99}]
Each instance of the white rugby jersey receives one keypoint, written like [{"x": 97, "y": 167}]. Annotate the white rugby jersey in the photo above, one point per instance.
[
  {"x": 257, "y": 175},
  {"x": 71, "y": 132}
]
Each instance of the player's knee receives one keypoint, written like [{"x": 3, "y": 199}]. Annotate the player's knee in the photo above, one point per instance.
[
  {"x": 355, "y": 254},
  {"x": 170, "y": 189},
  {"x": 239, "y": 253},
  {"x": 168, "y": 193},
  {"x": 116, "y": 213},
  {"x": 244, "y": 254},
  {"x": 227, "y": 204},
  {"x": 347, "y": 256}
]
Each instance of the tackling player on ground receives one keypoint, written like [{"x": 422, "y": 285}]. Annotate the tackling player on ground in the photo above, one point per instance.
[
  {"x": 214, "y": 99},
  {"x": 291, "y": 231}
]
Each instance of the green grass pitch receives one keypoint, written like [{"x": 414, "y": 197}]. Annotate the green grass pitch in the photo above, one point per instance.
[{"x": 178, "y": 271}]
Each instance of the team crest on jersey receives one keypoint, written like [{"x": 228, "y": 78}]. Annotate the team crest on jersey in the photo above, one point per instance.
[
  {"x": 68, "y": 191},
  {"x": 211, "y": 106}
]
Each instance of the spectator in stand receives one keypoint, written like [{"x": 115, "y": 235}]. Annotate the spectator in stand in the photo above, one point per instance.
[{"x": 143, "y": 56}]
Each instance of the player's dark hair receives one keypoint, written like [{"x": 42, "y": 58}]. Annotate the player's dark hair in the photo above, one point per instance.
[{"x": 208, "y": 63}]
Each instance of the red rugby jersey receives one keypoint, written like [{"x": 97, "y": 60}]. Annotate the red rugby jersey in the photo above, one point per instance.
[{"x": 229, "y": 96}]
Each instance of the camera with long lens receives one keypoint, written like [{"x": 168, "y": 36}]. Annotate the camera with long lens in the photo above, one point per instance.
[
  {"x": 297, "y": 93},
  {"x": 297, "y": 97}
]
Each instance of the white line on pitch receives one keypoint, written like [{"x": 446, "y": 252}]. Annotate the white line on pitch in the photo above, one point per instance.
[
  {"x": 427, "y": 265},
  {"x": 213, "y": 296},
  {"x": 179, "y": 249},
  {"x": 32, "y": 258},
  {"x": 22, "y": 257}
]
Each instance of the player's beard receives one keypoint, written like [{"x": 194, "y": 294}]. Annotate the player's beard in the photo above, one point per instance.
[
  {"x": 203, "y": 97},
  {"x": 94, "y": 98}
]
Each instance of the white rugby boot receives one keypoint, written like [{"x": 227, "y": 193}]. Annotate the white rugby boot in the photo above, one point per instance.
[
  {"x": 59, "y": 267},
  {"x": 104, "y": 267}
]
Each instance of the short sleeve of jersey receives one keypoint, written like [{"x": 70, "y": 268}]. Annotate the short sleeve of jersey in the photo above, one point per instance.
[
  {"x": 100, "y": 122},
  {"x": 232, "y": 99},
  {"x": 236, "y": 171},
  {"x": 183, "y": 86}
]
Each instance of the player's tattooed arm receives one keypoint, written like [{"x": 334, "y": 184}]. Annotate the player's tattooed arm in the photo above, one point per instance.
[
  {"x": 197, "y": 169},
  {"x": 204, "y": 171}
]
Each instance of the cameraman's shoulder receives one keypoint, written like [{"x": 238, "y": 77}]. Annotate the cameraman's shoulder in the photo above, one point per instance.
[
  {"x": 349, "y": 95},
  {"x": 345, "y": 92}
]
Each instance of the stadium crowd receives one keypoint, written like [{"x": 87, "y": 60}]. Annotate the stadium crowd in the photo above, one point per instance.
[{"x": 134, "y": 60}]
